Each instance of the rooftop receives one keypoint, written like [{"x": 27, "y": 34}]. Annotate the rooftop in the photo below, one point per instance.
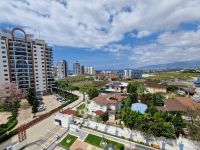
[
  {"x": 118, "y": 84},
  {"x": 109, "y": 99},
  {"x": 178, "y": 104},
  {"x": 69, "y": 112},
  {"x": 155, "y": 85}
]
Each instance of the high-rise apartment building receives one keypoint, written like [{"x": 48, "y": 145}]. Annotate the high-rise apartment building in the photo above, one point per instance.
[
  {"x": 77, "y": 68},
  {"x": 25, "y": 61},
  {"x": 127, "y": 73},
  {"x": 62, "y": 69},
  {"x": 89, "y": 70},
  {"x": 82, "y": 69}
]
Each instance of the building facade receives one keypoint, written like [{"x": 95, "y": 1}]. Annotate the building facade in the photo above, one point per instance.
[
  {"x": 27, "y": 62},
  {"x": 77, "y": 68},
  {"x": 89, "y": 70},
  {"x": 62, "y": 69},
  {"x": 127, "y": 73}
]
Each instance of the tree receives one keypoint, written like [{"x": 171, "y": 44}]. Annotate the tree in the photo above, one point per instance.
[
  {"x": 30, "y": 96},
  {"x": 193, "y": 123},
  {"x": 178, "y": 123},
  {"x": 34, "y": 106},
  {"x": 104, "y": 117},
  {"x": 92, "y": 92},
  {"x": 152, "y": 110},
  {"x": 83, "y": 89}
]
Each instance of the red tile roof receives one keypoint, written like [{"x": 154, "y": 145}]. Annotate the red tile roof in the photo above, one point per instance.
[
  {"x": 109, "y": 99},
  {"x": 178, "y": 104},
  {"x": 99, "y": 112},
  {"x": 69, "y": 112}
]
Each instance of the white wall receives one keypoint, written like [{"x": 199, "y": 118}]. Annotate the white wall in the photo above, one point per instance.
[{"x": 92, "y": 107}]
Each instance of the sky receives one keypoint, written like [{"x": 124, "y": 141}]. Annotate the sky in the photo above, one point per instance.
[{"x": 110, "y": 34}]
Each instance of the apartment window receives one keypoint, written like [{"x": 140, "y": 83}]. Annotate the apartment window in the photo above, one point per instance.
[
  {"x": 5, "y": 70},
  {"x": 6, "y": 79},
  {"x": 4, "y": 65},
  {"x": 4, "y": 61},
  {"x": 35, "y": 58},
  {"x": 3, "y": 56},
  {"x": 3, "y": 47},
  {"x": 2, "y": 42},
  {"x": 3, "y": 52},
  {"x": 5, "y": 74}
]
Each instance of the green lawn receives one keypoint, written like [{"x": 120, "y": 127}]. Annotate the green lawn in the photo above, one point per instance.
[
  {"x": 81, "y": 107},
  {"x": 64, "y": 141},
  {"x": 95, "y": 140}
]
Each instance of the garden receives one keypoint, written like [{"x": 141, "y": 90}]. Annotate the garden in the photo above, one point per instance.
[
  {"x": 102, "y": 142},
  {"x": 68, "y": 141},
  {"x": 12, "y": 107},
  {"x": 152, "y": 122}
]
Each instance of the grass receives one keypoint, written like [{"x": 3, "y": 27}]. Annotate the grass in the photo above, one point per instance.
[
  {"x": 81, "y": 107},
  {"x": 8, "y": 126},
  {"x": 64, "y": 141},
  {"x": 172, "y": 75},
  {"x": 95, "y": 140}
]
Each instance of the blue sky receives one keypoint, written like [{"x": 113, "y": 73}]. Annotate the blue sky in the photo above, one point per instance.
[{"x": 110, "y": 34}]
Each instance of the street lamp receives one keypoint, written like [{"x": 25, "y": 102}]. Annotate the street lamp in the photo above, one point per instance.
[
  {"x": 68, "y": 140},
  {"x": 103, "y": 143}
]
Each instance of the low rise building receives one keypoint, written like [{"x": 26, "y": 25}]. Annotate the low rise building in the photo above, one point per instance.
[
  {"x": 109, "y": 103},
  {"x": 120, "y": 87},
  {"x": 178, "y": 104},
  {"x": 107, "y": 76},
  {"x": 155, "y": 87}
]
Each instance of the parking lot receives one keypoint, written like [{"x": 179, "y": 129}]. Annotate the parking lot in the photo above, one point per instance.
[
  {"x": 25, "y": 110},
  {"x": 50, "y": 103}
]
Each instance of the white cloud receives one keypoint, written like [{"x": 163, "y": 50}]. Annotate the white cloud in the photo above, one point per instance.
[
  {"x": 169, "y": 47},
  {"x": 97, "y": 24},
  {"x": 94, "y": 24}
]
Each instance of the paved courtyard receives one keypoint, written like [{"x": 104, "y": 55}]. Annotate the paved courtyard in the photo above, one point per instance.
[
  {"x": 25, "y": 110},
  {"x": 4, "y": 117},
  {"x": 80, "y": 145}
]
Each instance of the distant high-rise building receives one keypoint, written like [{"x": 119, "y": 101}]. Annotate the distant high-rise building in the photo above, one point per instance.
[
  {"x": 77, "y": 68},
  {"x": 89, "y": 70},
  {"x": 26, "y": 62},
  {"x": 82, "y": 69},
  {"x": 62, "y": 69},
  {"x": 127, "y": 73}
]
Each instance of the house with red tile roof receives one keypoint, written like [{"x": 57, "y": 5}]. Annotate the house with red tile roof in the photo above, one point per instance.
[
  {"x": 178, "y": 104},
  {"x": 106, "y": 103}
]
